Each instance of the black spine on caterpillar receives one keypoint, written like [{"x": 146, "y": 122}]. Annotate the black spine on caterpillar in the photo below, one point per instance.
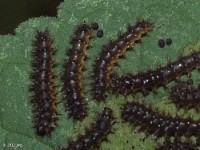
[
  {"x": 43, "y": 88},
  {"x": 96, "y": 134},
  {"x": 155, "y": 123},
  {"x": 152, "y": 79},
  {"x": 176, "y": 146},
  {"x": 73, "y": 72},
  {"x": 110, "y": 54},
  {"x": 184, "y": 94}
]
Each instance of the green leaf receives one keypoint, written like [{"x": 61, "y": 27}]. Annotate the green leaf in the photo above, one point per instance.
[{"x": 178, "y": 20}]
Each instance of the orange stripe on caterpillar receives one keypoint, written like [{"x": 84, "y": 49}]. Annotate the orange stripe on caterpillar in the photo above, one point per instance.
[
  {"x": 110, "y": 54},
  {"x": 43, "y": 88}
]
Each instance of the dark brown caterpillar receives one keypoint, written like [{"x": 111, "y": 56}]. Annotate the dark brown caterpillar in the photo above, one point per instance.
[
  {"x": 152, "y": 79},
  {"x": 177, "y": 146},
  {"x": 43, "y": 89},
  {"x": 110, "y": 54},
  {"x": 184, "y": 94},
  {"x": 73, "y": 72},
  {"x": 155, "y": 123},
  {"x": 96, "y": 134}
]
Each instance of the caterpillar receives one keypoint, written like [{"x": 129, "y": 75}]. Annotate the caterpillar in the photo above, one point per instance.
[
  {"x": 97, "y": 133},
  {"x": 158, "y": 124},
  {"x": 176, "y": 146},
  {"x": 72, "y": 77},
  {"x": 42, "y": 87},
  {"x": 152, "y": 79},
  {"x": 109, "y": 55},
  {"x": 183, "y": 94}
]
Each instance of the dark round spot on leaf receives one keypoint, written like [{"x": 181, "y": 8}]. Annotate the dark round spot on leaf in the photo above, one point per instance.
[
  {"x": 100, "y": 33},
  {"x": 95, "y": 26},
  {"x": 168, "y": 41},
  {"x": 161, "y": 43}
]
